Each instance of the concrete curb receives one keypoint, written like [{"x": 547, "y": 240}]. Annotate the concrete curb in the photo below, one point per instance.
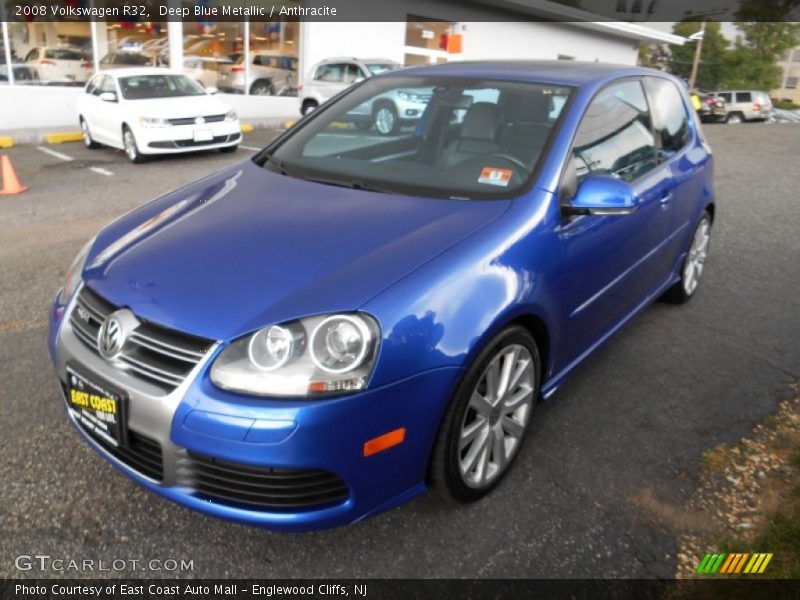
[{"x": 60, "y": 137}]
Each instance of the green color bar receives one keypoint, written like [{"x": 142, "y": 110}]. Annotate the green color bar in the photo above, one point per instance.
[
  {"x": 718, "y": 564},
  {"x": 702, "y": 566}
]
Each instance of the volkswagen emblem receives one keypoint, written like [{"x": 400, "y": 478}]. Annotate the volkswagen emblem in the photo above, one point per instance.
[
  {"x": 199, "y": 121},
  {"x": 114, "y": 333}
]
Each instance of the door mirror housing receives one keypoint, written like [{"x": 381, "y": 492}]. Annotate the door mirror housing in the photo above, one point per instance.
[
  {"x": 108, "y": 97},
  {"x": 602, "y": 195}
]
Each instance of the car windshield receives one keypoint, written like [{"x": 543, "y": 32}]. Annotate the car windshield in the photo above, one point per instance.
[
  {"x": 143, "y": 87},
  {"x": 443, "y": 137},
  {"x": 62, "y": 54},
  {"x": 131, "y": 58},
  {"x": 378, "y": 68}
]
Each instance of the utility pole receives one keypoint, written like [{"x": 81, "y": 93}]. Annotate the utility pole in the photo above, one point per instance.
[{"x": 697, "y": 51}]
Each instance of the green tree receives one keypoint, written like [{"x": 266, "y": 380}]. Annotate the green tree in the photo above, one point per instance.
[
  {"x": 712, "y": 71},
  {"x": 752, "y": 62}
]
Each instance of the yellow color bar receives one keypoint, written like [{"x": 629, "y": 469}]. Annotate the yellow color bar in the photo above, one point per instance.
[
  {"x": 6, "y": 142},
  {"x": 765, "y": 563},
  {"x": 60, "y": 138}
]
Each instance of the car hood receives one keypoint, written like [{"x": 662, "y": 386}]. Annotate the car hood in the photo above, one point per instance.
[
  {"x": 181, "y": 107},
  {"x": 247, "y": 247}
]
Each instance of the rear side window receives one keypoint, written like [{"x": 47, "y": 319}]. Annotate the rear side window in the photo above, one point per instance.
[
  {"x": 725, "y": 96},
  {"x": 614, "y": 137},
  {"x": 669, "y": 115},
  {"x": 331, "y": 73},
  {"x": 744, "y": 97}
]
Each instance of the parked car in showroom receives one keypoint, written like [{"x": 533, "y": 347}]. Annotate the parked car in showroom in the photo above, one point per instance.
[
  {"x": 327, "y": 329},
  {"x": 270, "y": 75},
  {"x": 64, "y": 66},
  {"x": 204, "y": 69},
  {"x": 334, "y": 75},
  {"x": 123, "y": 59},
  {"x": 23, "y": 73},
  {"x": 745, "y": 105},
  {"x": 146, "y": 111}
]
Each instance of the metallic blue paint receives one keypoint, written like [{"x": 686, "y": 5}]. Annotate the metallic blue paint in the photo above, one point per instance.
[{"x": 246, "y": 248}]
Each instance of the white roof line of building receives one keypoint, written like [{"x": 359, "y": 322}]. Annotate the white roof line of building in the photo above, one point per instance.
[{"x": 587, "y": 20}]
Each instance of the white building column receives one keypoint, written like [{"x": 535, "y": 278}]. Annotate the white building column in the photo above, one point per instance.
[
  {"x": 175, "y": 35},
  {"x": 7, "y": 46}
]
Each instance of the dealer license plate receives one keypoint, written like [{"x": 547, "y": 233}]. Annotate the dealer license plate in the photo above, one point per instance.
[
  {"x": 203, "y": 135},
  {"x": 98, "y": 407}
]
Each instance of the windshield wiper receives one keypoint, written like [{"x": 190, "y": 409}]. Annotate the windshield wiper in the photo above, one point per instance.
[
  {"x": 276, "y": 163},
  {"x": 352, "y": 184}
]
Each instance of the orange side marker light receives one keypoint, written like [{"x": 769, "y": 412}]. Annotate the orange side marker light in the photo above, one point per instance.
[{"x": 384, "y": 442}]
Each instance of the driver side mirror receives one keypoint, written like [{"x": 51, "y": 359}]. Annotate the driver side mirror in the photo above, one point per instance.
[
  {"x": 598, "y": 195},
  {"x": 108, "y": 97}
]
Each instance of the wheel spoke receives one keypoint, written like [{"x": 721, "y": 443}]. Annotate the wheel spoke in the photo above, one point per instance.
[
  {"x": 493, "y": 380},
  {"x": 469, "y": 461},
  {"x": 470, "y": 432},
  {"x": 517, "y": 399},
  {"x": 522, "y": 366},
  {"x": 482, "y": 405},
  {"x": 509, "y": 360},
  {"x": 483, "y": 464},
  {"x": 499, "y": 450},
  {"x": 512, "y": 427}
]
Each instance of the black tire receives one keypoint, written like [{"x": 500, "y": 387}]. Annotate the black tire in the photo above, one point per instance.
[
  {"x": 385, "y": 119},
  {"x": 308, "y": 106},
  {"x": 130, "y": 147},
  {"x": 262, "y": 87},
  {"x": 229, "y": 149},
  {"x": 682, "y": 292},
  {"x": 734, "y": 118},
  {"x": 88, "y": 141},
  {"x": 363, "y": 125},
  {"x": 444, "y": 471}
]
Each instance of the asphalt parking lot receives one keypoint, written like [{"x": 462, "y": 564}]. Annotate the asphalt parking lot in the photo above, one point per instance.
[{"x": 598, "y": 489}]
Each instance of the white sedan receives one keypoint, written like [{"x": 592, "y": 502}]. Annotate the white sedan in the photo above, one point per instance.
[{"x": 154, "y": 111}]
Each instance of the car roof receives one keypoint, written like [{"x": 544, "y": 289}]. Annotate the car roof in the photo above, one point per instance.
[
  {"x": 574, "y": 73},
  {"x": 137, "y": 71}
]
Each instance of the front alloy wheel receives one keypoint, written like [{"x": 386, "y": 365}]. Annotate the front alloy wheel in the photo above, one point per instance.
[
  {"x": 131, "y": 149},
  {"x": 386, "y": 119},
  {"x": 87, "y": 136},
  {"x": 694, "y": 263},
  {"x": 486, "y": 423}
]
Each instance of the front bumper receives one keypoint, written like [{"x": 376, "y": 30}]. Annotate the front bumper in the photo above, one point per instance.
[
  {"x": 197, "y": 418},
  {"x": 181, "y": 138}
]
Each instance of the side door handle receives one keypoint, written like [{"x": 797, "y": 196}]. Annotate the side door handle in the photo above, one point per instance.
[{"x": 665, "y": 199}]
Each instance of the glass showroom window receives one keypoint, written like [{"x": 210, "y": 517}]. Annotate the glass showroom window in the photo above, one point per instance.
[
  {"x": 48, "y": 53},
  {"x": 131, "y": 44},
  {"x": 211, "y": 50}
]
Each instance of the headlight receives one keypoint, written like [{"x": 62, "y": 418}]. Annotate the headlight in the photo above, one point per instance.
[
  {"x": 321, "y": 355},
  {"x": 413, "y": 97},
  {"x": 73, "y": 278},
  {"x": 154, "y": 122},
  {"x": 231, "y": 115}
]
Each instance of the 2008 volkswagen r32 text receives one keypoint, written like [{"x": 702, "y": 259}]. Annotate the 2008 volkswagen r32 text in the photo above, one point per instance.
[{"x": 324, "y": 331}]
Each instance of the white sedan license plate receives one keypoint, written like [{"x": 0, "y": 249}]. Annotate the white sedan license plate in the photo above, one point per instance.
[{"x": 203, "y": 135}]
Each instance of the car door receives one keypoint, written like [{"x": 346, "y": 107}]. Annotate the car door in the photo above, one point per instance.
[
  {"x": 679, "y": 151},
  {"x": 610, "y": 265},
  {"x": 107, "y": 114}
]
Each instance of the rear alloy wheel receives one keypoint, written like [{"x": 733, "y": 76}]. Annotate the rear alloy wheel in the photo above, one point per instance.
[
  {"x": 693, "y": 264},
  {"x": 385, "y": 117},
  {"x": 262, "y": 88},
  {"x": 131, "y": 149},
  {"x": 734, "y": 118},
  {"x": 87, "y": 136},
  {"x": 484, "y": 428}
]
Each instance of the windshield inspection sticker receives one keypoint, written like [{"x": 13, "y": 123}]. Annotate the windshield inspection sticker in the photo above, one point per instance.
[{"x": 495, "y": 176}]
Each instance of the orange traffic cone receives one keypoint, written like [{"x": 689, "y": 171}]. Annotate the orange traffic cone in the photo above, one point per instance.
[{"x": 11, "y": 183}]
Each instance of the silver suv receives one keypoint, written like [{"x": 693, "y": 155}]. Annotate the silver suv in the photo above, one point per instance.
[
  {"x": 745, "y": 105},
  {"x": 331, "y": 76},
  {"x": 270, "y": 75}
]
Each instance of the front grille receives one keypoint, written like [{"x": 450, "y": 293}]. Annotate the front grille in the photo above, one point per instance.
[
  {"x": 262, "y": 487},
  {"x": 190, "y": 120},
  {"x": 220, "y": 139},
  {"x": 159, "y": 356}
]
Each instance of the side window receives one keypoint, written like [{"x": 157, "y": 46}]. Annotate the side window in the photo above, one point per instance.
[
  {"x": 352, "y": 72},
  {"x": 108, "y": 85},
  {"x": 91, "y": 87},
  {"x": 32, "y": 55},
  {"x": 726, "y": 96},
  {"x": 744, "y": 97},
  {"x": 333, "y": 73},
  {"x": 614, "y": 137},
  {"x": 669, "y": 115}
]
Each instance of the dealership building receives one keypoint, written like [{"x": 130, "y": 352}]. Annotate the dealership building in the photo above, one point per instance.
[{"x": 43, "y": 90}]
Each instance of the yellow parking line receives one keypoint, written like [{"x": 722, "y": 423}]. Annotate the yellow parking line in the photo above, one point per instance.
[
  {"x": 60, "y": 138},
  {"x": 247, "y": 128},
  {"x": 6, "y": 142}
]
